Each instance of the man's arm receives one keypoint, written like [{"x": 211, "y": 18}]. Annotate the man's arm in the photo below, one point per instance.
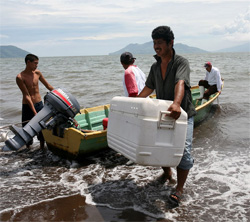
[
  {"x": 131, "y": 85},
  {"x": 175, "y": 107},
  {"x": 44, "y": 81},
  {"x": 145, "y": 92},
  {"x": 25, "y": 92}
]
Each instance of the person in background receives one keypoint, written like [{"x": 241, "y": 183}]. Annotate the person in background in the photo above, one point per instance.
[
  {"x": 169, "y": 76},
  {"x": 212, "y": 82},
  {"x": 28, "y": 83},
  {"x": 134, "y": 79}
]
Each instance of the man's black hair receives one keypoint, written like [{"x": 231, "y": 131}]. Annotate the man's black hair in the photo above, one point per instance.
[
  {"x": 31, "y": 57},
  {"x": 127, "y": 58},
  {"x": 163, "y": 32},
  {"x": 128, "y": 61}
]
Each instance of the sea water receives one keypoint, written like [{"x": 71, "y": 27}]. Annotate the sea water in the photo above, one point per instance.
[{"x": 38, "y": 185}]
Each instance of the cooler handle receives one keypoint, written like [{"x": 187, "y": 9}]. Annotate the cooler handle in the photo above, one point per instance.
[{"x": 166, "y": 123}]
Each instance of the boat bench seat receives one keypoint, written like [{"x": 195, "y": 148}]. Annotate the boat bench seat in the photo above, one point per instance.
[{"x": 91, "y": 121}]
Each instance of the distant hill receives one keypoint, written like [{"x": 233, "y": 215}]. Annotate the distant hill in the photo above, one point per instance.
[
  {"x": 240, "y": 48},
  {"x": 11, "y": 51},
  {"x": 147, "y": 48},
  {"x": 182, "y": 48}
]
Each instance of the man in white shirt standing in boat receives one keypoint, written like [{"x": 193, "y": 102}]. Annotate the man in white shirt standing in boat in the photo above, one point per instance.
[
  {"x": 212, "y": 82},
  {"x": 134, "y": 79}
]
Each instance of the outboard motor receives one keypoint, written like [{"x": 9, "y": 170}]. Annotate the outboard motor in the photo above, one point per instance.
[{"x": 59, "y": 106}]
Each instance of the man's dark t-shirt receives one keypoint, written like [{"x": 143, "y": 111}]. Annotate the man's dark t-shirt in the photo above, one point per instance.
[{"x": 178, "y": 69}]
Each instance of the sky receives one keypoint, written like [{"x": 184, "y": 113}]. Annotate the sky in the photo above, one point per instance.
[{"x": 99, "y": 27}]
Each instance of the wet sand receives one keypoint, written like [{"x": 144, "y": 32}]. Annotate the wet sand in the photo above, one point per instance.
[{"x": 72, "y": 208}]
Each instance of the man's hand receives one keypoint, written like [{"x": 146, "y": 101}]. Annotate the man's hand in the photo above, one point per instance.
[
  {"x": 175, "y": 107},
  {"x": 175, "y": 110}
]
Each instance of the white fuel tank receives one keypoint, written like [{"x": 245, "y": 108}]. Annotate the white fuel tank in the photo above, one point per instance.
[{"x": 140, "y": 129}]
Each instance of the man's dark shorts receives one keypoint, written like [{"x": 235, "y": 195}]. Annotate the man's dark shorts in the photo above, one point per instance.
[
  {"x": 211, "y": 89},
  {"x": 27, "y": 114}
]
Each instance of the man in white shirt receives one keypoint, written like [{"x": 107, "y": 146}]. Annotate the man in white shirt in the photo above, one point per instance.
[
  {"x": 134, "y": 79},
  {"x": 212, "y": 82}
]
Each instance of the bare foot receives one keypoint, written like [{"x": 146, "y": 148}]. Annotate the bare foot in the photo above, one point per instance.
[
  {"x": 164, "y": 178},
  {"x": 172, "y": 181},
  {"x": 168, "y": 175}
]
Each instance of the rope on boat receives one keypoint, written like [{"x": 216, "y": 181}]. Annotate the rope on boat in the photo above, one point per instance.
[{"x": 7, "y": 126}]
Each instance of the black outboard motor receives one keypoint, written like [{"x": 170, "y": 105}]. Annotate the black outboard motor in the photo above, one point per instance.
[{"x": 59, "y": 106}]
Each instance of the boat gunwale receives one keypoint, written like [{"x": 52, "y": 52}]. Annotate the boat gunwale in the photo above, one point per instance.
[{"x": 92, "y": 109}]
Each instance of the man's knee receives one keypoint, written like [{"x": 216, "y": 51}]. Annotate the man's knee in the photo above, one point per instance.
[{"x": 202, "y": 83}]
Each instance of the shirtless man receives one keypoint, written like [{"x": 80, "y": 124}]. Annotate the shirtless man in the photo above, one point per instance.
[{"x": 28, "y": 82}]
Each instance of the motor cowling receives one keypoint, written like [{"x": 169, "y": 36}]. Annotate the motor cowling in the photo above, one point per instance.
[{"x": 59, "y": 106}]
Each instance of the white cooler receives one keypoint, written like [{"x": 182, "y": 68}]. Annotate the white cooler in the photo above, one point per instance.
[{"x": 139, "y": 129}]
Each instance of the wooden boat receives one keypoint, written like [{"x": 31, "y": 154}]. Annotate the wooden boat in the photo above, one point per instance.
[
  {"x": 203, "y": 110},
  {"x": 90, "y": 135}
]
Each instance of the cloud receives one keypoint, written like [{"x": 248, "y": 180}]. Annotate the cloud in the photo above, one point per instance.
[
  {"x": 47, "y": 12},
  {"x": 240, "y": 24},
  {"x": 37, "y": 24},
  {"x": 104, "y": 37},
  {"x": 238, "y": 29},
  {"x": 3, "y": 36}
]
